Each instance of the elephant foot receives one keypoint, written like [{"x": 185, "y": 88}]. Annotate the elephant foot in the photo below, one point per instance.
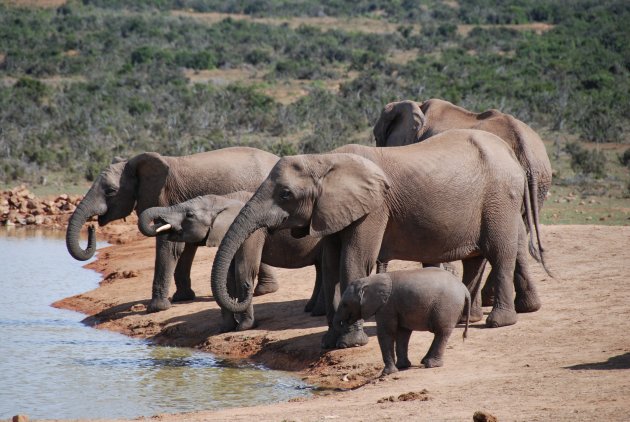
[
  {"x": 354, "y": 336},
  {"x": 183, "y": 295},
  {"x": 431, "y": 362},
  {"x": 487, "y": 296},
  {"x": 246, "y": 324},
  {"x": 403, "y": 364},
  {"x": 228, "y": 322},
  {"x": 527, "y": 302},
  {"x": 501, "y": 318},
  {"x": 329, "y": 341},
  {"x": 157, "y": 305},
  {"x": 388, "y": 370},
  {"x": 266, "y": 287},
  {"x": 476, "y": 315}
]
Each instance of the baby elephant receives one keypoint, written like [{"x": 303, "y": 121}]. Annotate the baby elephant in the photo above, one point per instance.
[{"x": 427, "y": 299}]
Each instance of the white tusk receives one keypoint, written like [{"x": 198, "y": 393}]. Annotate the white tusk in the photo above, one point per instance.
[{"x": 163, "y": 228}]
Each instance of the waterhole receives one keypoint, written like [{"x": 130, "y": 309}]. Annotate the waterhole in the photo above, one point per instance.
[{"x": 53, "y": 366}]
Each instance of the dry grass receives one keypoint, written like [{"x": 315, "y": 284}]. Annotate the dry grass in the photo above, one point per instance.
[
  {"x": 367, "y": 25},
  {"x": 45, "y": 4},
  {"x": 537, "y": 27}
]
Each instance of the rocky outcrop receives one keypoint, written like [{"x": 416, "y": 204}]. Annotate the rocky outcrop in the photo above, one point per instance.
[{"x": 20, "y": 207}]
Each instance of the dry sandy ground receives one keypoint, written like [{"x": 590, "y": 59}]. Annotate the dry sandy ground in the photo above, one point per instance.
[{"x": 568, "y": 361}]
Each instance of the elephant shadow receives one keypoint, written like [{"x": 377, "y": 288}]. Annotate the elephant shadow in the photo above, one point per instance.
[{"x": 615, "y": 362}]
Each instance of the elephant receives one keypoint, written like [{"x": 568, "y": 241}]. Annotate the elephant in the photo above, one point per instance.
[
  {"x": 457, "y": 196},
  {"x": 205, "y": 219},
  {"x": 407, "y": 122},
  {"x": 428, "y": 299},
  {"x": 150, "y": 179}
]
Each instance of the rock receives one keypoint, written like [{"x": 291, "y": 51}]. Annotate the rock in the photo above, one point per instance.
[
  {"x": 20, "y": 418},
  {"x": 483, "y": 416}
]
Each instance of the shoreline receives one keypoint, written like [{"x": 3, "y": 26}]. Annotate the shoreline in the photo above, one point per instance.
[{"x": 546, "y": 367}]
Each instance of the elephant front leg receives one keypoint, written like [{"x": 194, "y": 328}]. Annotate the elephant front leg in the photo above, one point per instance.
[
  {"x": 402, "y": 348},
  {"x": 166, "y": 257},
  {"x": 316, "y": 305},
  {"x": 183, "y": 283},
  {"x": 330, "y": 283},
  {"x": 386, "y": 342}
]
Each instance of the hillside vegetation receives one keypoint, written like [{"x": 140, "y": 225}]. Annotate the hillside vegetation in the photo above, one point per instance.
[{"x": 84, "y": 81}]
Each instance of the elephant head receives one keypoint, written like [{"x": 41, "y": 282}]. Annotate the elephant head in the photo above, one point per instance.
[
  {"x": 318, "y": 194},
  {"x": 204, "y": 219},
  {"x": 121, "y": 187},
  {"x": 362, "y": 299},
  {"x": 400, "y": 123}
]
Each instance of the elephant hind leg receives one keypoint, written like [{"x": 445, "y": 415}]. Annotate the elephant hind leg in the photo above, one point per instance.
[
  {"x": 527, "y": 299},
  {"x": 434, "y": 357},
  {"x": 267, "y": 281},
  {"x": 473, "y": 273}
]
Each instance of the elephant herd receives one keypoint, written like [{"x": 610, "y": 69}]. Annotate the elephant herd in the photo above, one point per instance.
[{"x": 442, "y": 184}]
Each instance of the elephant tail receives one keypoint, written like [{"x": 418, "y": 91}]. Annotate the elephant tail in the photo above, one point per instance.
[
  {"x": 467, "y": 306},
  {"x": 531, "y": 213}
]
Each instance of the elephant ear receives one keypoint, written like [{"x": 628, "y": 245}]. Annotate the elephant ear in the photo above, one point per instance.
[
  {"x": 147, "y": 174},
  {"x": 222, "y": 222},
  {"x": 374, "y": 293},
  {"x": 400, "y": 123},
  {"x": 352, "y": 187}
]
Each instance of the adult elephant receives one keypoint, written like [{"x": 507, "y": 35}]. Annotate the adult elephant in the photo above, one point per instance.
[
  {"x": 205, "y": 219},
  {"x": 407, "y": 122},
  {"x": 149, "y": 180},
  {"x": 420, "y": 202}
]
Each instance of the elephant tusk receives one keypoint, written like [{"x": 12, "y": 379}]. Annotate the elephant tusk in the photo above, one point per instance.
[{"x": 163, "y": 228}]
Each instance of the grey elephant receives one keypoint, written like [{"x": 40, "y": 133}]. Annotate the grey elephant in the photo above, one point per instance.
[
  {"x": 407, "y": 122},
  {"x": 420, "y": 202},
  {"x": 205, "y": 219},
  {"x": 149, "y": 180},
  {"x": 428, "y": 299}
]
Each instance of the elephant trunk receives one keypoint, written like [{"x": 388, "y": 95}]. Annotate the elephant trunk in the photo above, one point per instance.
[
  {"x": 145, "y": 220},
  {"x": 86, "y": 209},
  {"x": 243, "y": 226}
]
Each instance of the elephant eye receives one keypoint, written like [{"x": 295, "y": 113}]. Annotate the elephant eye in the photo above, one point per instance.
[
  {"x": 190, "y": 214},
  {"x": 285, "y": 194},
  {"x": 110, "y": 191}
]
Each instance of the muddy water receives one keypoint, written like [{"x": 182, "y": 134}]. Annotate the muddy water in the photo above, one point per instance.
[{"x": 52, "y": 366}]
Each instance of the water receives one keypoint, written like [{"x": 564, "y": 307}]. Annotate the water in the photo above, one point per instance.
[{"x": 52, "y": 366}]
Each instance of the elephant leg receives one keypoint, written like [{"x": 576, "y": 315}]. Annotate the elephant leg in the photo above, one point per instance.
[
  {"x": 357, "y": 262},
  {"x": 402, "y": 348},
  {"x": 433, "y": 358},
  {"x": 228, "y": 319},
  {"x": 330, "y": 283},
  {"x": 502, "y": 257},
  {"x": 316, "y": 305},
  {"x": 166, "y": 256},
  {"x": 267, "y": 282},
  {"x": 473, "y": 272},
  {"x": 183, "y": 287},
  {"x": 386, "y": 334},
  {"x": 487, "y": 294},
  {"x": 527, "y": 299}
]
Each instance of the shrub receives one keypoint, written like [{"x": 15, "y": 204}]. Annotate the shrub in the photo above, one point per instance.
[{"x": 587, "y": 162}]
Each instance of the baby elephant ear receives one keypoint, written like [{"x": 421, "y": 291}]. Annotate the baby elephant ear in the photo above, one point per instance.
[
  {"x": 353, "y": 187},
  {"x": 374, "y": 293},
  {"x": 221, "y": 223}
]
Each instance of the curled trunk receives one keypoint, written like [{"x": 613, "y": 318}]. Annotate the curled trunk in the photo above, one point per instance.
[
  {"x": 242, "y": 227},
  {"x": 145, "y": 220},
  {"x": 80, "y": 216}
]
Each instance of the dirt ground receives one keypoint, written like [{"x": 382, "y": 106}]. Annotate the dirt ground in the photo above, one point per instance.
[{"x": 570, "y": 361}]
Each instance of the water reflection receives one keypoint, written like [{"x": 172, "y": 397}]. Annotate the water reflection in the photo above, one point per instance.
[{"x": 52, "y": 366}]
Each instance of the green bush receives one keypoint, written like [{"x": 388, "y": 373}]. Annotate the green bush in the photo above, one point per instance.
[{"x": 586, "y": 162}]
